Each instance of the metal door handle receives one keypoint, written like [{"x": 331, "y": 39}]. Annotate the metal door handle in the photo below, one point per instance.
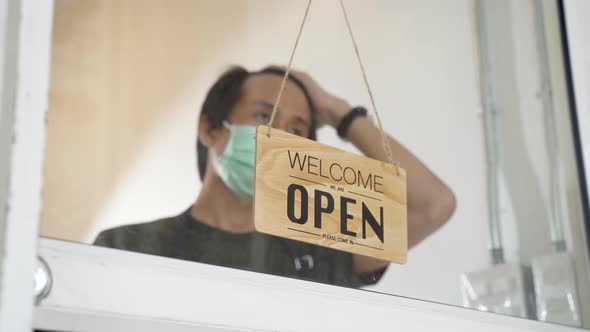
[{"x": 43, "y": 280}]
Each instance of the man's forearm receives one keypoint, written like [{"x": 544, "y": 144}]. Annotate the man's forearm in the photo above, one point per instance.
[{"x": 430, "y": 201}]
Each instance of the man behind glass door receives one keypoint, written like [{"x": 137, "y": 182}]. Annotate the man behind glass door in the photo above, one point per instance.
[{"x": 219, "y": 228}]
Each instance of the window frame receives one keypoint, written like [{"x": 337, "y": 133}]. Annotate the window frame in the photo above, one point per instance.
[{"x": 152, "y": 292}]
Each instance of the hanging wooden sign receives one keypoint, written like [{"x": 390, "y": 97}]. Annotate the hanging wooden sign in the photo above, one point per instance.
[{"x": 315, "y": 193}]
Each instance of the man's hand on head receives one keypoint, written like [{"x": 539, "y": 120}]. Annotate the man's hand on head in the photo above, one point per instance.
[{"x": 330, "y": 107}]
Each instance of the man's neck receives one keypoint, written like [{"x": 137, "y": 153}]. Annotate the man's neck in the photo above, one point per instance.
[{"x": 219, "y": 207}]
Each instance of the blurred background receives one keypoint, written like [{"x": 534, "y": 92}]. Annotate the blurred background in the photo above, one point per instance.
[{"x": 476, "y": 89}]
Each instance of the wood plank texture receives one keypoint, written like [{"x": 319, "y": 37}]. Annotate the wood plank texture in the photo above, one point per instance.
[{"x": 315, "y": 193}]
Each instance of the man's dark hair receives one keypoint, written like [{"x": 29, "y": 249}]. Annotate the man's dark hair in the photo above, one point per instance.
[{"x": 225, "y": 93}]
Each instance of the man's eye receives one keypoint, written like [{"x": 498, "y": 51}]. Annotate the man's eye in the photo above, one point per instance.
[
  {"x": 262, "y": 117},
  {"x": 295, "y": 131}
]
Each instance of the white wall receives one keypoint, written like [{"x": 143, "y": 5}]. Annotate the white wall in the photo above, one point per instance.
[{"x": 422, "y": 62}]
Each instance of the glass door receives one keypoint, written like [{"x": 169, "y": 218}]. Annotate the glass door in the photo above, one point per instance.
[{"x": 145, "y": 217}]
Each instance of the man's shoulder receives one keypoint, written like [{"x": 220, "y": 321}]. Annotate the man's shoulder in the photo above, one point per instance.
[{"x": 145, "y": 236}]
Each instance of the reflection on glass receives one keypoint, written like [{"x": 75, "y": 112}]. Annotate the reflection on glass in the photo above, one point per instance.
[
  {"x": 544, "y": 288},
  {"x": 219, "y": 227},
  {"x": 139, "y": 91}
]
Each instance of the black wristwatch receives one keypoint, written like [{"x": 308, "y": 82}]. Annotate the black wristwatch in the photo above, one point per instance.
[{"x": 347, "y": 120}]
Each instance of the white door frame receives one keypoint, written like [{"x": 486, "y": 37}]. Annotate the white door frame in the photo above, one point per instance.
[
  {"x": 578, "y": 38},
  {"x": 138, "y": 290},
  {"x": 25, "y": 31},
  {"x": 98, "y": 289}
]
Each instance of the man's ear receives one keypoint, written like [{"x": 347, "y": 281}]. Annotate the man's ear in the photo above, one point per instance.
[{"x": 207, "y": 135}]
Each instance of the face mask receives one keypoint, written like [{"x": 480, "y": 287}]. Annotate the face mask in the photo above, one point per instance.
[{"x": 236, "y": 164}]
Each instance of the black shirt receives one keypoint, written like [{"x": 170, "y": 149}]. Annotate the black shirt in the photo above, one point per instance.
[{"x": 185, "y": 238}]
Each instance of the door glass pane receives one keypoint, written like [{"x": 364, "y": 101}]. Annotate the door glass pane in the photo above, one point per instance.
[{"x": 148, "y": 148}]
